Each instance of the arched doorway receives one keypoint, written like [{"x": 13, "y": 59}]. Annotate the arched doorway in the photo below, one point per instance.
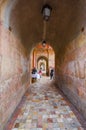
[
  {"x": 43, "y": 58},
  {"x": 42, "y": 63}
]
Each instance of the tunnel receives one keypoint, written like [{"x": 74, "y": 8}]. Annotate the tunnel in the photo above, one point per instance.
[{"x": 21, "y": 29}]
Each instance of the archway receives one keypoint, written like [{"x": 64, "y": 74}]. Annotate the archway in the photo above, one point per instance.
[
  {"x": 43, "y": 58},
  {"x": 42, "y": 63}
]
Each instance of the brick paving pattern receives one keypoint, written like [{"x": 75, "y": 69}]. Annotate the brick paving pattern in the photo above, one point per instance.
[{"x": 43, "y": 108}]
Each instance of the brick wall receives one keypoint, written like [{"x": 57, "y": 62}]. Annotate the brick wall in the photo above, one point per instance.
[
  {"x": 71, "y": 72},
  {"x": 13, "y": 73}
]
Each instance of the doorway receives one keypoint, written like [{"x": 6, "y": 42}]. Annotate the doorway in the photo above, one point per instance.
[
  {"x": 42, "y": 63},
  {"x": 43, "y": 58}
]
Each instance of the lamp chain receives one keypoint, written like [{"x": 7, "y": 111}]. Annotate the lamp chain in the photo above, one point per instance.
[
  {"x": 45, "y": 1},
  {"x": 44, "y": 29}
]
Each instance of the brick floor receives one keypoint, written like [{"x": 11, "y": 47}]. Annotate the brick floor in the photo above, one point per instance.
[{"x": 43, "y": 107}]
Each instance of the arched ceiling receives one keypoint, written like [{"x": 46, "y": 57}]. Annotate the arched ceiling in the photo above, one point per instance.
[{"x": 66, "y": 21}]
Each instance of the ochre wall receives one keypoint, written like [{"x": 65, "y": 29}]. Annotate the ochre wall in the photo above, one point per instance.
[
  {"x": 71, "y": 72},
  {"x": 13, "y": 74}
]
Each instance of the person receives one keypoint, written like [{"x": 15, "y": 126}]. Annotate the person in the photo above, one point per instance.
[
  {"x": 34, "y": 70},
  {"x": 38, "y": 76},
  {"x": 34, "y": 74},
  {"x": 40, "y": 72},
  {"x": 51, "y": 74}
]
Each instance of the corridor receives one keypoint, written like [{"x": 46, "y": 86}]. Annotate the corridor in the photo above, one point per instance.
[
  {"x": 46, "y": 35},
  {"x": 43, "y": 108}
]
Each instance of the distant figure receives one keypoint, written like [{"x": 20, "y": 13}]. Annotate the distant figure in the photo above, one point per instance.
[
  {"x": 51, "y": 74},
  {"x": 34, "y": 74},
  {"x": 38, "y": 76},
  {"x": 34, "y": 70},
  {"x": 40, "y": 72}
]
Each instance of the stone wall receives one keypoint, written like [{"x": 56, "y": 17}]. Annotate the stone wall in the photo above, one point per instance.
[
  {"x": 13, "y": 74},
  {"x": 71, "y": 72}
]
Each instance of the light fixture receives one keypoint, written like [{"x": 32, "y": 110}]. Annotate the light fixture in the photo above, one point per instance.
[
  {"x": 46, "y": 11},
  {"x": 43, "y": 43}
]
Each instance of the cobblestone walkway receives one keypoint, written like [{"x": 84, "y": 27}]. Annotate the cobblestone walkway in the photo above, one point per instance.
[{"x": 43, "y": 108}]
